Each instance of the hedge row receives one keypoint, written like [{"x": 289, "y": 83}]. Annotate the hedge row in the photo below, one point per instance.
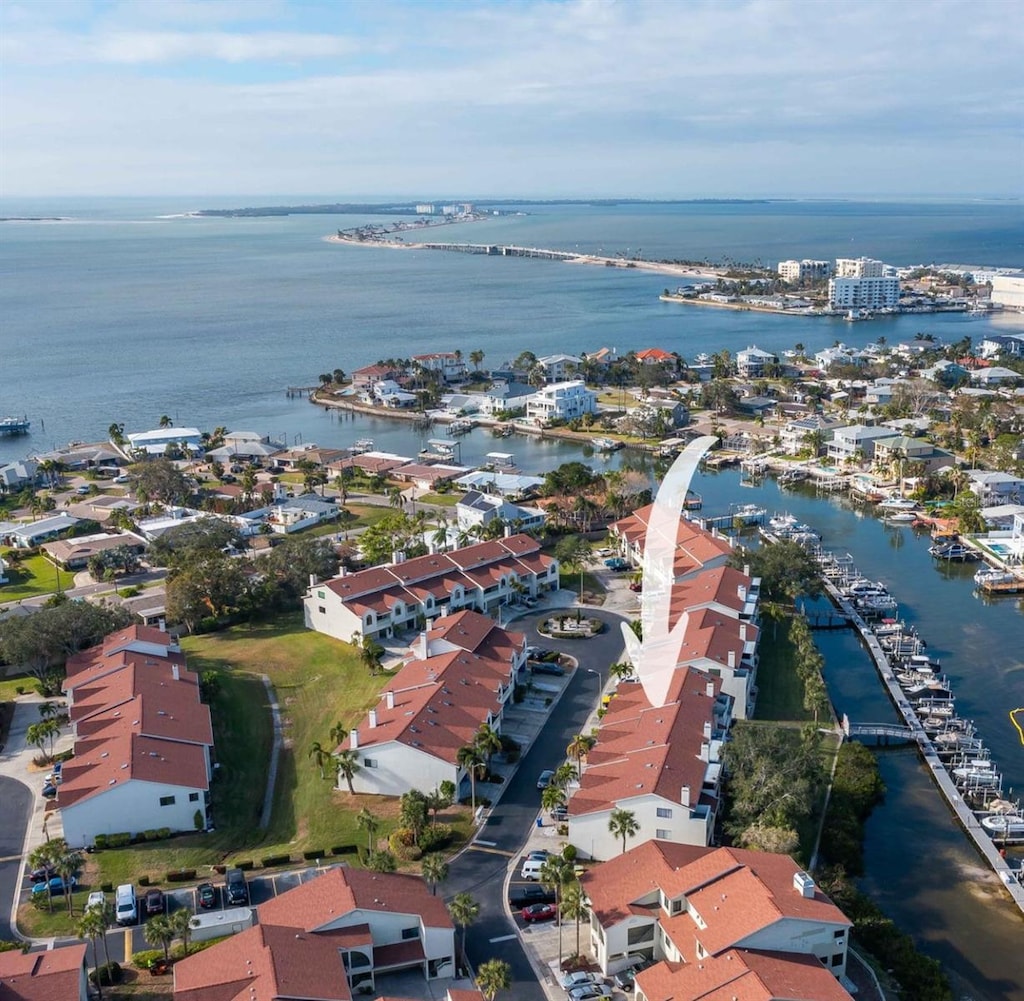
[
  {"x": 124, "y": 838},
  {"x": 180, "y": 876}
]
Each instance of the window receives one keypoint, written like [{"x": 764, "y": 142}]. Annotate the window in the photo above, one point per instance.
[
  {"x": 321, "y": 595},
  {"x": 641, "y": 933},
  {"x": 663, "y": 835},
  {"x": 167, "y": 801},
  {"x": 837, "y": 959},
  {"x": 409, "y": 933},
  {"x": 193, "y": 797},
  {"x": 665, "y": 812},
  {"x": 370, "y": 762},
  {"x": 839, "y": 934},
  {"x": 677, "y": 906},
  {"x": 321, "y": 609}
]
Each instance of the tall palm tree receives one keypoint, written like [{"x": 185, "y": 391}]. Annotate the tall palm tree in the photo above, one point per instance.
[
  {"x": 552, "y": 797},
  {"x": 348, "y": 765},
  {"x": 468, "y": 757},
  {"x": 165, "y": 421},
  {"x": 574, "y": 906},
  {"x": 434, "y": 870},
  {"x": 181, "y": 925},
  {"x": 464, "y": 910},
  {"x": 320, "y": 756},
  {"x": 579, "y": 747},
  {"x": 92, "y": 926},
  {"x": 495, "y": 974},
  {"x": 555, "y": 874},
  {"x": 338, "y": 733},
  {"x": 564, "y": 775},
  {"x": 45, "y": 857},
  {"x": 158, "y": 931},
  {"x": 623, "y": 824},
  {"x": 368, "y": 821},
  {"x": 67, "y": 863},
  {"x": 487, "y": 742}
]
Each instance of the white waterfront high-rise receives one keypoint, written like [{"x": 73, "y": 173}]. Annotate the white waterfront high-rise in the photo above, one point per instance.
[{"x": 859, "y": 267}]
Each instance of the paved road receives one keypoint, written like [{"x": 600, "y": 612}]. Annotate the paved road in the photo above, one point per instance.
[
  {"x": 17, "y": 811},
  {"x": 481, "y": 869}
]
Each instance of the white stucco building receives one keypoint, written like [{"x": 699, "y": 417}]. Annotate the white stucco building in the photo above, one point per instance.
[
  {"x": 1008, "y": 291},
  {"x": 859, "y": 267},
  {"x": 863, "y": 293},
  {"x": 561, "y": 401},
  {"x": 154, "y": 443}
]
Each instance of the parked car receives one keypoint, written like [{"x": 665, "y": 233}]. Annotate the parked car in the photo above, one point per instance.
[
  {"x": 97, "y": 899},
  {"x": 126, "y": 908},
  {"x": 617, "y": 563},
  {"x": 580, "y": 978},
  {"x": 590, "y": 992},
  {"x": 544, "y": 779},
  {"x": 49, "y": 790},
  {"x": 236, "y": 890},
  {"x": 154, "y": 902},
  {"x": 523, "y": 896},
  {"x": 538, "y": 912},
  {"x": 540, "y": 854},
  {"x": 121, "y": 478},
  {"x": 42, "y": 875},
  {"x": 537, "y": 652},
  {"x": 560, "y": 815},
  {"x": 543, "y": 667},
  {"x": 56, "y": 885},
  {"x": 82, "y": 490},
  {"x": 206, "y": 893},
  {"x": 636, "y": 585},
  {"x": 625, "y": 979}
]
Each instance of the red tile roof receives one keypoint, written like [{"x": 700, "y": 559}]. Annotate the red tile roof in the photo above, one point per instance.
[
  {"x": 743, "y": 975},
  {"x": 476, "y": 633},
  {"x": 55, "y": 975},
  {"x": 695, "y": 547}
]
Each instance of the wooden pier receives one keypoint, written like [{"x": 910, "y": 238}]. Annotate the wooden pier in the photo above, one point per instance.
[
  {"x": 916, "y": 734},
  {"x": 301, "y": 390}
]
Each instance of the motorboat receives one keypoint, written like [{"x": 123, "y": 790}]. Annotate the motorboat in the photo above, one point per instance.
[
  {"x": 897, "y": 504},
  {"x": 987, "y": 576},
  {"x": 360, "y": 446},
  {"x": 899, "y": 517},
  {"x": 954, "y": 551},
  {"x": 605, "y": 444},
  {"x": 1004, "y": 825}
]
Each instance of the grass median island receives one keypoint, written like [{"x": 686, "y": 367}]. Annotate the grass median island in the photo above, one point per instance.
[
  {"x": 318, "y": 681},
  {"x": 31, "y": 577},
  {"x": 780, "y": 691}
]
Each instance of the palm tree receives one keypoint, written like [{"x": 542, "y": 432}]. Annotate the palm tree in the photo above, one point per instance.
[
  {"x": 338, "y": 733},
  {"x": 181, "y": 924},
  {"x": 92, "y": 926},
  {"x": 369, "y": 822},
  {"x": 623, "y": 824},
  {"x": 434, "y": 870},
  {"x": 464, "y": 910},
  {"x": 574, "y": 906},
  {"x": 440, "y": 536},
  {"x": 158, "y": 931},
  {"x": 476, "y": 359},
  {"x": 552, "y": 797},
  {"x": 555, "y": 874},
  {"x": 45, "y": 857},
  {"x": 370, "y": 652},
  {"x": 487, "y": 742},
  {"x": 579, "y": 747},
  {"x": 564, "y": 775},
  {"x": 67, "y": 863},
  {"x": 468, "y": 757},
  {"x": 348, "y": 765},
  {"x": 165, "y": 421},
  {"x": 320, "y": 756},
  {"x": 495, "y": 974},
  {"x": 395, "y": 497},
  {"x": 382, "y": 861}
]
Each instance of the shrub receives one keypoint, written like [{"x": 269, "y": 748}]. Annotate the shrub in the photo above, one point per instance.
[
  {"x": 402, "y": 837},
  {"x": 144, "y": 880},
  {"x": 163, "y": 832},
  {"x": 107, "y": 887},
  {"x": 108, "y": 973},
  {"x": 344, "y": 850},
  {"x": 569, "y": 853},
  {"x": 313, "y": 854},
  {"x": 244, "y": 866},
  {"x": 151, "y": 835},
  {"x": 180, "y": 876},
  {"x": 197, "y": 820},
  {"x": 99, "y": 842},
  {"x": 435, "y": 837},
  {"x": 121, "y": 840},
  {"x": 270, "y": 861},
  {"x": 563, "y": 830},
  {"x": 19, "y": 689},
  {"x": 145, "y": 957}
]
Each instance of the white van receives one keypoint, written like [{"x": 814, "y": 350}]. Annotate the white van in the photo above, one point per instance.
[
  {"x": 126, "y": 908},
  {"x": 531, "y": 869}
]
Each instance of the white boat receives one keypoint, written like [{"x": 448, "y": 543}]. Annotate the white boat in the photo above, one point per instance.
[
  {"x": 897, "y": 504},
  {"x": 1004, "y": 825},
  {"x": 363, "y": 445},
  {"x": 993, "y": 575},
  {"x": 605, "y": 444},
  {"x": 900, "y": 517}
]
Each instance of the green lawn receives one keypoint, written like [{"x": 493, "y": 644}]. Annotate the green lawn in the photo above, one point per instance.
[
  {"x": 9, "y": 686},
  {"x": 31, "y": 577},
  {"x": 593, "y": 589},
  {"x": 38, "y": 922},
  {"x": 318, "y": 681},
  {"x": 440, "y": 500},
  {"x": 780, "y": 693},
  {"x": 368, "y": 514}
]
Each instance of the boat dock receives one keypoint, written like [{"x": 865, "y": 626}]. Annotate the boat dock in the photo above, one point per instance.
[{"x": 914, "y": 730}]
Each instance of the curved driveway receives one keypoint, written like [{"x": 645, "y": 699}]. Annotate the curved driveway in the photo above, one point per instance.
[
  {"x": 17, "y": 812},
  {"x": 481, "y": 869}
]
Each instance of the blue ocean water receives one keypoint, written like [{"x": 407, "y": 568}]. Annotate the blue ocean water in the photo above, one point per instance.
[{"x": 125, "y": 312}]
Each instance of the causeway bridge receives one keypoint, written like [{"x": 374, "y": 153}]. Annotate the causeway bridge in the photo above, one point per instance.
[{"x": 503, "y": 250}]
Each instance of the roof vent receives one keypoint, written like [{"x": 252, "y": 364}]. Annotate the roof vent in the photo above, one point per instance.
[
  {"x": 104, "y": 754},
  {"x": 125, "y": 765},
  {"x": 112, "y": 782}
]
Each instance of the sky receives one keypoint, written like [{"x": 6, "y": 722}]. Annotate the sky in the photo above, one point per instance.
[{"x": 535, "y": 98}]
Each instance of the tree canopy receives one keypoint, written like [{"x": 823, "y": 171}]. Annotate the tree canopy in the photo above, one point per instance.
[{"x": 787, "y": 570}]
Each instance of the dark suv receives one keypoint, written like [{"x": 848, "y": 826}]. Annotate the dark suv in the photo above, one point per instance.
[
  {"x": 236, "y": 891},
  {"x": 520, "y": 896}
]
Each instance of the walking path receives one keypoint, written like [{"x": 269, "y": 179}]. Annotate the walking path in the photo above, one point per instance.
[{"x": 275, "y": 754}]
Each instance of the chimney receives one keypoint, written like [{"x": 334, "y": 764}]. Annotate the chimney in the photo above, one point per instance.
[
  {"x": 705, "y": 750},
  {"x": 709, "y": 689},
  {"x": 424, "y": 646},
  {"x": 397, "y": 556},
  {"x": 389, "y": 699},
  {"x": 803, "y": 884},
  {"x": 714, "y": 531},
  {"x": 741, "y": 591},
  {"x": 162, "y": 625},
  {"x": 353, "y": 739},
  {"x": 684, "y": 795},
  {"x": 746, "y": 569},
  {"x": 732, "y": 658},
  {"x": 175, "y": 673},
  {"x": 508, "y": 531},
  {"x": 313, "y": 580},
  {"x": 373, "y": 719},
  {"x": 707, "y": 729},
  {"x": 743, "y": 632}
]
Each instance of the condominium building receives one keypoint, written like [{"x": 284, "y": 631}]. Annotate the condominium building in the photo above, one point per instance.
[
  {"x": 859, "y": 267},
  {"x": 1008, "y": 291},
  {"x": 863, "y": 293},
  {"x": 805, "y": 270}
]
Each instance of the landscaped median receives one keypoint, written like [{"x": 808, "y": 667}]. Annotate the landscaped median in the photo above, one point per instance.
[{"x": 320, "y": 685}]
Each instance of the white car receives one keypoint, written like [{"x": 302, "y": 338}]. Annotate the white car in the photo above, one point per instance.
[
  {"x": 97, "y": 899},
  {"x": 581, "y": 978}
]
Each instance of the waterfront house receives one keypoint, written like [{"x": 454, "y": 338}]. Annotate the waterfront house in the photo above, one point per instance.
[
  {"x": 660, "y": 763},
  {"x": 478, "y": 510},
  {"x": 26, "y": 534},
  {"x": 512, "y": 486},
  {"x": 395, "y": 598},
  {"x": 684, "y": 905},
  {"x": 752, "y": 362},
  {"x": 156, "y": 442},
  {"x": 292, "y": 458},
  {"x": 559, "y": 367},
  {"x": 143, "y": 739},
  {"x": 894, "y": 451},
  {"x": 245, "y": 446},
  {"x": 798, "y": 434},
  {"x": 328, "y": 939},
  {"x": 462, "y": 675},
  {"x": 995, "y": 488},
  {"x": 656, "y": 356},
  {"x": 85, "y": 455},
  {"x": 425, "y": 476},
  {"x": 448, "y": 365},
  {"x": 56, "y": 974},
  {"x": 371, "y": 463},
  {"x": 1002, "y": 345},
  {"x": 563, "y": 401},
  {"x": 364, "y": 379},
  {"x": 17, "y": 474},
  {"x": 74, "y": 554},
  {"x": 855, "y": 442},
  {"x": 388, "y": 393}
]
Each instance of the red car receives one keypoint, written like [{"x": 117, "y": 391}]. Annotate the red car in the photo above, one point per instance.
[{"x": 538, "y": 912}]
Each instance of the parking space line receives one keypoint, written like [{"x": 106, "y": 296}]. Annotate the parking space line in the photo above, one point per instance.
[
  {"x": 127, "y": 945},
  {"x": 502, "y": 938}
]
